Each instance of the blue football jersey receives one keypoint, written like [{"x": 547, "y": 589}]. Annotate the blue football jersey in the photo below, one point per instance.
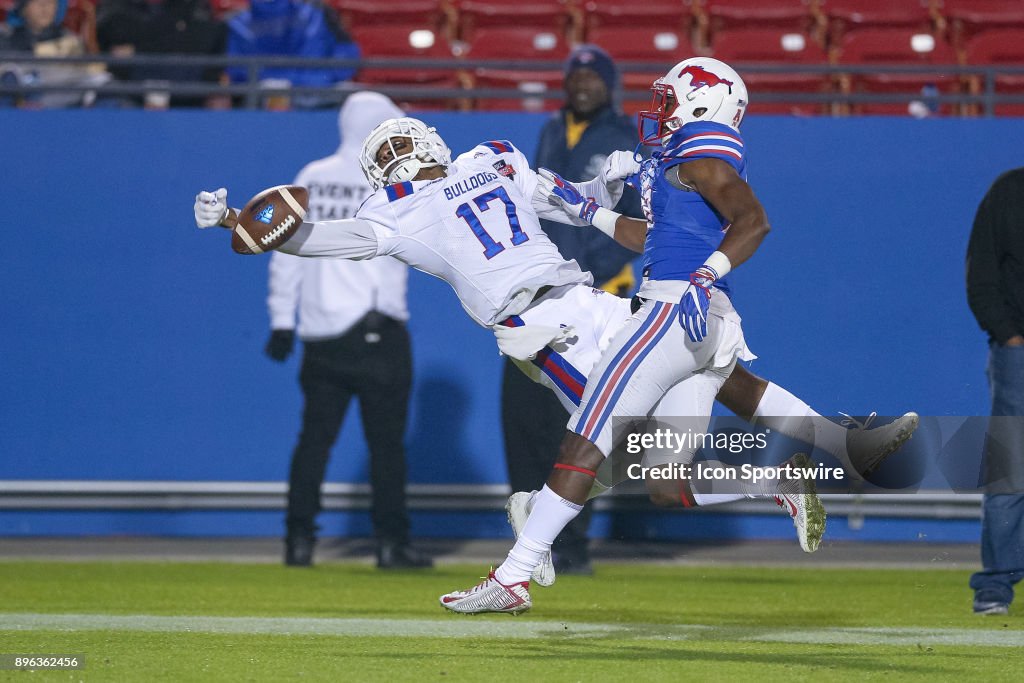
[{"x": 684, "y": 228}]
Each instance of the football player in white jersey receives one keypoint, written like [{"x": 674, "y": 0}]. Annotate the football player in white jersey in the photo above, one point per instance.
[{"x": 473, "y": 223}]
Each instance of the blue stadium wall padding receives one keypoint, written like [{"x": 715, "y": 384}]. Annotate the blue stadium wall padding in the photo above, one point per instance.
[{"x": 131, "y": 342}]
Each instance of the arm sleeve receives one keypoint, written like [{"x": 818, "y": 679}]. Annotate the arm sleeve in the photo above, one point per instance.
[
  {"x": 349, "y": 238},
  {"x": 984, "y": 294},
  {"x": 284, "y": 283}
]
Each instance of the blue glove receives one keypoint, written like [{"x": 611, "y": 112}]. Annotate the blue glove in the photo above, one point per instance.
[
  {"x": 693, "y": 307},
  {"x": 566, "y": 194}
]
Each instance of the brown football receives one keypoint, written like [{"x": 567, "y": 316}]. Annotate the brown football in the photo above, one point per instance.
[{"x": 270, "y": 219}]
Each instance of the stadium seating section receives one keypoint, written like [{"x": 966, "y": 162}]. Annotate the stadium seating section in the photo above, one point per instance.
[{"x": 780, "y": 46}]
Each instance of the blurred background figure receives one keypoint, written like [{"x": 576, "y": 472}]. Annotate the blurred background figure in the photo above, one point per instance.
[
  {"x": 296, "y": 28},
  {"x": 351, "y": 320},
  {"x": 574, "y": 143},
  {"x": 137, "y": 27},
  {"x": 34, "y": 27},
  {"x": 995, "y": 293}
]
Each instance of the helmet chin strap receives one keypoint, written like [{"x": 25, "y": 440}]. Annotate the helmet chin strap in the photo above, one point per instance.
[{"x": 407, "y": 170}]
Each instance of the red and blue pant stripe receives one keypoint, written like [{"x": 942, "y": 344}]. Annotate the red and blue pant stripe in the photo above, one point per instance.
[{"x": 622, "y": 368}]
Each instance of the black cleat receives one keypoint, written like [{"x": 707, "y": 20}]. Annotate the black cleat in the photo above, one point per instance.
[{"x": 401, "y": 556}]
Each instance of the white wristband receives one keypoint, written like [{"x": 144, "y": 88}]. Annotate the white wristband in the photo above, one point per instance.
[
  {"x": 719, "y": 263},
  {"x": 604, "y": 220}
]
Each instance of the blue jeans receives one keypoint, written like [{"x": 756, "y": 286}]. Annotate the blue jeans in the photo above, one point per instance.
[{"x": 1002, "y": 525}]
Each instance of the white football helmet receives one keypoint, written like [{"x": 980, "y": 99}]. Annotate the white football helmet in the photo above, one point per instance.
[
  {"x": 428, "y": 150},
  {"x": 697, "y": 89}
]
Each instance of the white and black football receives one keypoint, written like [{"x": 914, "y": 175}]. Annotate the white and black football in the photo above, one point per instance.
[{"x": 270, "y": 219}]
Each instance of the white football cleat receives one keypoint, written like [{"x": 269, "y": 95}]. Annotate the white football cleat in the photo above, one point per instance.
[
  {"x": 800, "y": 500},
  {"x": 868, "y": 448},
  {"x": 518, "y": 508},
  {"x": 489, "y": 596}
]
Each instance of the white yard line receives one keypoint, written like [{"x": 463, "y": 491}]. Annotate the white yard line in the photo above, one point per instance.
[{"x": 503, "y": 627}]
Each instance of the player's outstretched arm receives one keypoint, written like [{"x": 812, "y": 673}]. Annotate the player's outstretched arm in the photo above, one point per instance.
[
  {"x": 577, "y": 209},
  {"x": 212, "y": 210}
]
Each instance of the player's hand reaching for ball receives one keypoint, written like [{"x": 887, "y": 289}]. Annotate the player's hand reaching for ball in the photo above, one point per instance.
[{"x": 211, "y": 208}]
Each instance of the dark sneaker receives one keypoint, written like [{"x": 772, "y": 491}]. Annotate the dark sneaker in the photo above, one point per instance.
[
  {"x": 401, "y": 556},
  {"x": 298, "y": 551}
]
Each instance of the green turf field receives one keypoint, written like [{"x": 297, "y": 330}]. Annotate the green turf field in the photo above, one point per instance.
[{"x": 349, "y": 622}]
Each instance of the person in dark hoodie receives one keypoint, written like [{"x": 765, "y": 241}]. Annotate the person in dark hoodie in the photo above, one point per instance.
[
  {"x": 34, "y": 26},
  {"x": 574, "y": 143},
  {"x": 297, "y": 28}
]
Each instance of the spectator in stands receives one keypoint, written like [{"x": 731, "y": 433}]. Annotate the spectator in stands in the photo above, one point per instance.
[
  {"x": 34, "y": 26},
  {"x": 995, "y": 293},
  {"x": 137, "y": 27},
  {"x": 574, "y": 143},
  {"x": 298, "y": 28}
]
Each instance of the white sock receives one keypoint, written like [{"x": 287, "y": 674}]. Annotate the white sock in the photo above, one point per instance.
[
  {"x": 548, "y": 517},
  {"x": 783, "y": 412}
]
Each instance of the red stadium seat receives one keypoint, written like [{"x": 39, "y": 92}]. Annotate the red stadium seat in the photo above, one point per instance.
[
  {"x": 521, "y": 43},
  {"x": 966, "y": 18},
  {"x": 849, "y": 15},
  {"x": 800, "y": 16},
  {"x": 896, "y": 46},
  {"x": 775, "y": 46},
  {"x": 651, "y": 45},
  {"x": 790, "y": 14},
  {"x": 669, "y": 14},
  {"x": 984, "y": 13},
  {"x": 364, "y": 12},
  {"x": 994, "y": 48},
  {"x": 436, "y": 15},
  {"x": 644, "y": 44},
  {"x": 380, "y": 40},
  {"x": 558, "y": 16},
  {"x": 767, "y": 45},
  {"x": 536, "y": 83}
]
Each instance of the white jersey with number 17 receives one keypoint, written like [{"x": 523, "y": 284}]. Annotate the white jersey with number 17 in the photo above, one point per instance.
[{"x": 477, "y": 229}]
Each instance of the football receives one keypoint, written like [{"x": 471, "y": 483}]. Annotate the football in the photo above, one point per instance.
[{"x": 270, "y": 219}]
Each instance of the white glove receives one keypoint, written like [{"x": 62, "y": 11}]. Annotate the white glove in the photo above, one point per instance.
[
  {"x": 211, "y": 208},
  {"x": 618, "y": 166}
]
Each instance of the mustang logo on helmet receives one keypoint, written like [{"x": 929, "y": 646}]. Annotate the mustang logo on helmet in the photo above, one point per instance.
[{"x": 699, "y": 77}]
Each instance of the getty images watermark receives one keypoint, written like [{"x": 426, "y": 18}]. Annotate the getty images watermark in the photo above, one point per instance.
[
  {"x": 667, "y": 443},
  {"x": 869, "y": 455}
]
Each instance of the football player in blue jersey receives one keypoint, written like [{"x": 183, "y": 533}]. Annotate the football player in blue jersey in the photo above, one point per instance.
[{"x": 703, "y": 220}]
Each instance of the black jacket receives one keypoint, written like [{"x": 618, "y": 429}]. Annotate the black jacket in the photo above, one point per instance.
[
  {"x": 607, "y": 132},
  {"x": 995, "y": 259}
]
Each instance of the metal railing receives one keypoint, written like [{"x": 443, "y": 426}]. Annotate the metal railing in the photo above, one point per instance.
[{"x": 252, "y": 94}]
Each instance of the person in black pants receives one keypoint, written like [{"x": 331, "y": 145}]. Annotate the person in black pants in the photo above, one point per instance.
[
  {"x": 351, "y": 319},
  {"x": 372, "y": 361},
  {"x": 995, "y": 293},
  {"x": 574, "y": 143}
]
